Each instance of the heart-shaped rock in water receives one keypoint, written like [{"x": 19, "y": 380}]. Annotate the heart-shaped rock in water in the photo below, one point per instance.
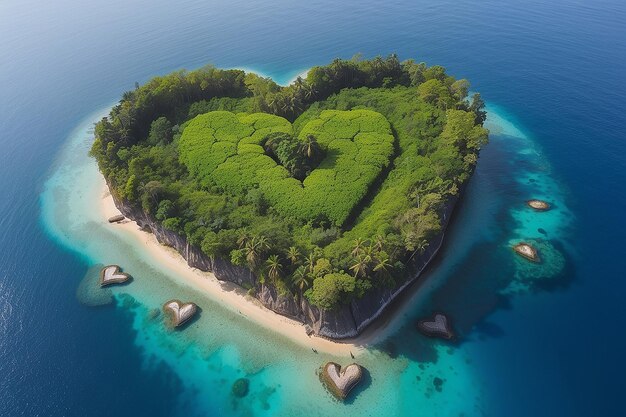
[
  {"x": 111, "y": 274},
  {"x": 538, "y": 205},
  {"x": 179, "y": 312},
  {"x": 340, "y": 381},
  {"x": 437, "y": 326},
  {"x": 527, "y": 251}
]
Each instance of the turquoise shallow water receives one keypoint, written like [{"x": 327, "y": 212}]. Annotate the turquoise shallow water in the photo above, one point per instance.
[
  {"x": 553, "y": 75},
  {"x": 222, "y": 346}
]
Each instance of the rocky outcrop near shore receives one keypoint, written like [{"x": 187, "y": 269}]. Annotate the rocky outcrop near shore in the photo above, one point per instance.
[
  {"x": 527, "y": 251},
  {"x": 179, "y": 312},
  {"x": 345, "y": 322},
  {"x": 117, "y": 218},
  {"x": 112, "y": 274},
  {"x": 340, "y": 381},
  {"x": 436, "y": 326},
  {"x": 538, "y": 205}
]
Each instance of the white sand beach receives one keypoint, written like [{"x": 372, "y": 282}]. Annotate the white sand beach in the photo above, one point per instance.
[{"x": 228, "y": 294}]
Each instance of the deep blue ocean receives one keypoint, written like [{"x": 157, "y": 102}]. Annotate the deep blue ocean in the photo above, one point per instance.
[{"x": 554, "y": 76}]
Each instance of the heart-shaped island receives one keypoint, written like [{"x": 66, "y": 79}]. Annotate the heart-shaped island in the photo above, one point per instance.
[{"x": 324, "y": 199}]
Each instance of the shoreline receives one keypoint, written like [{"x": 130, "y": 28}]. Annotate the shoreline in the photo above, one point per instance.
[
  {"x": 286, "y": 83},
  {"x": 233, "y": 297}
]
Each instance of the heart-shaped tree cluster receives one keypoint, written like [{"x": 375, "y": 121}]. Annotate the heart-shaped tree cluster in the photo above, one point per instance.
[{"x": 226, "y": 150}]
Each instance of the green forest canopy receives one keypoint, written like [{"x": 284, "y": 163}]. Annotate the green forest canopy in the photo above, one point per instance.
[{"x": 324, "y": 188}]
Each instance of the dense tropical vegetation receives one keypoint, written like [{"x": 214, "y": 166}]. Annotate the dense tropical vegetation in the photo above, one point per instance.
[{"x": 325, "y": 188}]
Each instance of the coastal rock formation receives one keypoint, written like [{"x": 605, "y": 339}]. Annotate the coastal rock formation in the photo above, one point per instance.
[
  {"x": 436, "y": 326},
  {"x": 538, "y": 205},
  {"x": 344, "y": 322},
  {"x": 112, "y": 274},
  {"x": 179, "y": 312},
  {"x": 340, "y": 381},
  {"x": 527, "y": 251},
  {"x": 116, "y": 218}
]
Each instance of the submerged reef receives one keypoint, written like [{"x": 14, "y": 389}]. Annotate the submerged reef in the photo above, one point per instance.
[
  {"x": 530, "y": 276},
  {"x": 89, "y": 291}
]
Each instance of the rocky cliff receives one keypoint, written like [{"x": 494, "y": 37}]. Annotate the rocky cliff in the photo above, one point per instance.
[{"x": 345, "y": 322}]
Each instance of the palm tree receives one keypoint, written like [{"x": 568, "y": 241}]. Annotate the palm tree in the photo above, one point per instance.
[
  {"x": 309, "y": 91},
  {"x": 382, "y": 266},
  {"x": 263, "y": 242},
  {"x": 274, "y": 267},
  {"x": 380, "y": 243},
  {"x": 360, "y": 267},
  {"x": 293, "y": 254},
  {"x": 252, "y": 253},
  {"x": 301, "y": 280},
  {"x": 377, "y": 64},
  {"x": 298, "y": 82},
  {"x": 368, "y": 251},
  {"x": 287, "y": 106},
  {"x": 126, "y": 115},
  {"x": 274, "y": 103},
  {"x": 298, "y": 86},
  {"x": 309, "y": 262},
  {"x": 243, "y": 238},
  {"x": 296, "y": 103},
  {"x": 310, "y": 147},
  {"x": 359, "y": 244},
  {"x": 420, "y": 247},
  {"x": 254, "y": 247}
]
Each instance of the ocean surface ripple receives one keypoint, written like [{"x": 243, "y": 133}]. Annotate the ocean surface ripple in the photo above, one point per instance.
[{"x": 553, "y": 76}]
